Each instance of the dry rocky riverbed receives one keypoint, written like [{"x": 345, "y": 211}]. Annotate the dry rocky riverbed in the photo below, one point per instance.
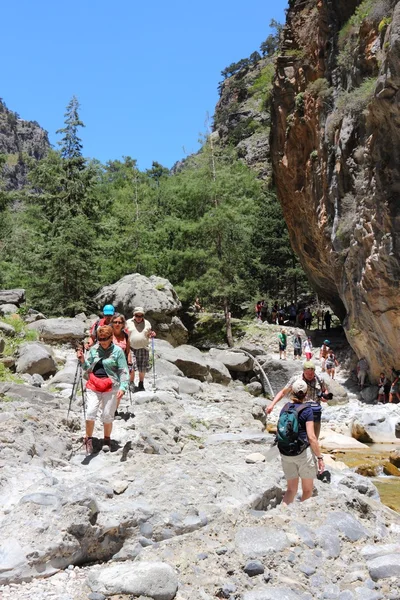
[{"x": 186, "y": 506}]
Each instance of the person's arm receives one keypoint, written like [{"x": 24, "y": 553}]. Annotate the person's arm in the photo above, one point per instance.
[
  {"x": 277, "y": 398},
  {"x": 312, "y": 438},
  {"x": 123, "y": 372}
]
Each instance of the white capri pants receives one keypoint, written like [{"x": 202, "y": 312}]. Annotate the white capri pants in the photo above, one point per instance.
[{"x": 106, "y": 400}]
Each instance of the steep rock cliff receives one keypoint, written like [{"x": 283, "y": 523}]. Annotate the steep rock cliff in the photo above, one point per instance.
[
  {"x": 242, "y": 116},
  {"x": 19, "y": 140},
  {"x": 335, "y": 146}
]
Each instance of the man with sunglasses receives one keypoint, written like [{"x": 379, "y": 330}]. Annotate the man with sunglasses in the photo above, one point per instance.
[{"x": 140, "y": 332}]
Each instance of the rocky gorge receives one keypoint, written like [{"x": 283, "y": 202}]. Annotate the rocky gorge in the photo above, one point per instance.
[
  {"x": 188, "y": 502},
  {"x": 334, "y": 148}
]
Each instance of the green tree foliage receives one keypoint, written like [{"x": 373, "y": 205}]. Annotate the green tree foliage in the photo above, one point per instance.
[
  {"x": 212, "y": 228},
  {"x": 65, "y": 210}
]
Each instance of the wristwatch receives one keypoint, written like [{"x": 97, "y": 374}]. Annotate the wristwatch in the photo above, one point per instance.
[{"x": 320, "y": 458}]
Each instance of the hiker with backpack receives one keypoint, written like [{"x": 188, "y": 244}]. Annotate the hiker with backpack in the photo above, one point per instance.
[
  {"x": 140, "y": 331},
  {"x": 108, "y": 312},
  {"x": 323, "y": 353},
  {"x": 316, "y": 393},
  {"x": 298, "y": 444},
  {"x": 330, "y": 364},
  {"x": 108, "y": 380}
]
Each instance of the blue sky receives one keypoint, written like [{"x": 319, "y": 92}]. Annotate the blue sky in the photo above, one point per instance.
[{"x": 145, "y": 73}]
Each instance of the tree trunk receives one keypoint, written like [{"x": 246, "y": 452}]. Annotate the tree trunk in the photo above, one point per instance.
[{"x": 228, "y": 324}]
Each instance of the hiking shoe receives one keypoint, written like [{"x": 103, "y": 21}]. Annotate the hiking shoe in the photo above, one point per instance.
[
  {"x": 140, "y": 387},
  {"x": 88, "y": 441},
  {"x": 106, "y": 445}
]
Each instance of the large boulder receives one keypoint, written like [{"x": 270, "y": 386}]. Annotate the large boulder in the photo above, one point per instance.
[
  {"x": 7, "y": 329},
  {"x": 218, "y": 371},
  {"x": 331, "y": 440},
  {"x": 8, "y": 309},
  {"x": 59, "y": 330},
  {"x": 158, "y": 298},
  {"x": 279, "y": 372},
  {"x": 16, "y": 296},
  {"x": 380, "y": 425},
  {"x": 67, "y": 374},
  {"x": 340, "y": 395},
  {"x": 35, "y": 357},
  {"x": 154, "y": 580},
  {"x": 233, "y": 361},
  {"x": 188, "y": 359}
]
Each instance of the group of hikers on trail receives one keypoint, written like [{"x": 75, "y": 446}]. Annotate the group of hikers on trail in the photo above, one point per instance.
[
  {"x": 298, "y": 430},
  {"x": 292, "y": 315},
  {"x": 328, "y": 359},
  {"x": 115, "y": 350}
]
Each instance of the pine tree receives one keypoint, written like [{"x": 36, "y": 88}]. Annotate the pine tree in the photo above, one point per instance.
[{"x": 63, "y": 190}]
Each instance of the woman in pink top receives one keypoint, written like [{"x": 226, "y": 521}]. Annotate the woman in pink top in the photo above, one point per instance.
[{"x": 121, "y": 338}]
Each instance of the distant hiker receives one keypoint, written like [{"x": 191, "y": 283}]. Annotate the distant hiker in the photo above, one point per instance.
[
  {"x": 258, "y": 309},
  {"x": 320, "y": 321},
  {"x": 282, "y": 340},
  {"x": 140, "y": 332},
  {"x": 108, "y": 312},
  {"x": 330, "y": 364},
  {"x": 327, "y": 319},
  {"x": 281, "y": 316},
  {"x": 323, "y": 353},
  {"x": 264, "y": 311},
  {"x": 292, "y": 314},
  {"x": 382, "y": 388},
  {"x": 394, "y": 395},
  {"x": 362, "y": 371},
  {"x": 300, "y": 318},
  {"x": 307, "y": 318},
  {"x": 297, "y": 347},
  {"x": 274, "y": 313},
  {"x": 298, "y": 444},
  {"x": 316, "y": 392},
  {"x": 308, "y": 348},
  {"x": 197, "y": 305},
  {"x": 108, "y": 381}
]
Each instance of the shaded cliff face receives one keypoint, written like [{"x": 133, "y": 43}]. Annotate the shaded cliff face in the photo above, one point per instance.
[
  {"x": 19, "y": 140},
  {"x": 335, "y": 148}
]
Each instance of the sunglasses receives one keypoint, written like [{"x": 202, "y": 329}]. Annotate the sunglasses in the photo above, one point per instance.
[
  {"x": 104, "y": 339},
  {"x": 117, "y": 323},
  {"x": 139, "y": 316}
]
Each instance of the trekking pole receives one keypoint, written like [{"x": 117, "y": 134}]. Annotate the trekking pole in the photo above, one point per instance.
[
  {"x": 154, "y": 362},
  {"x": 83, "y": 396},
  {"x": 74, "y": 388}
]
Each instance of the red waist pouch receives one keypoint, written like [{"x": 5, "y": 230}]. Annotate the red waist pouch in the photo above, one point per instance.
[{"x": 99, "y": 384}]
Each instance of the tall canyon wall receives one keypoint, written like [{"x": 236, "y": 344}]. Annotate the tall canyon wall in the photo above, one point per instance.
[{"x": 335, "y": 150}]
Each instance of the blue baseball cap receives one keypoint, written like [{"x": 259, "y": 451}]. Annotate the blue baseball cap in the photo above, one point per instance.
[{"x": 108, "y": 310}]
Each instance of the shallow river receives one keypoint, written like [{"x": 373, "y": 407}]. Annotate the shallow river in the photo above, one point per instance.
[{"x": 371, "y": 463}]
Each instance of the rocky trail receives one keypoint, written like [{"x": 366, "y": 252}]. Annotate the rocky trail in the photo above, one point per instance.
[{"x": 187, "y": 505}]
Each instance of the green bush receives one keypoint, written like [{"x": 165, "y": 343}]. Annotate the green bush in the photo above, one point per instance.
[
  {"x": 319, "y": 88},
  {"x": 299, "y": 103},
  {"x": 384, "y": 23},
  {"x": 356, "y": 101}
]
